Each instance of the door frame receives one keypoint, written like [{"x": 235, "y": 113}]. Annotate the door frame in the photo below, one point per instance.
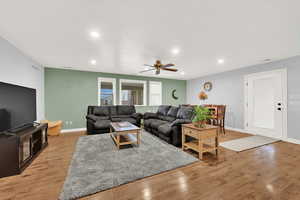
[{"x": 283, "y": 72}]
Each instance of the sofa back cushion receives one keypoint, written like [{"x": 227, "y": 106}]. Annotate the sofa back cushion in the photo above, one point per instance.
[
  {"x": 185, "y": 113},
  {"x": 163, "y": 110},
  {"x": 125, "y": 110},
  {"x": 102, "y": 110},
  {"x": 173, "y": 111},
  {"x": 90, "y": 110},
  {"x": 166, "y": 118},
  {"x": 113, "y": 110}
]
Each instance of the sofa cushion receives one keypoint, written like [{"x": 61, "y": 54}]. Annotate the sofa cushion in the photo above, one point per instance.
[
  {"x": 185, "y": 113},
  {"x": 102, "y": 124},
  {"x": 137, "y": 116},
  {"x": 125, "y": 110},
  {"x": 156, "y": 123},
  {"x": 181, "y": 121},
  {"x": 113, "y": 110},
  {"x": 173, "y": 111},
  {"x": 149, "y": 115},
  {"x": 131, "y": 120},
  {"x": 116, "y": 119},
  {"x": 101, "y": 110},
  {"x": 96, "y": 117},
  {"x": 166, "y": 118},
  {"x": 147, "y": 122},
  {"x": 163, "y": 110},
  {"x": 123, "y": 116},
  {"x": 165, "y": 129}
]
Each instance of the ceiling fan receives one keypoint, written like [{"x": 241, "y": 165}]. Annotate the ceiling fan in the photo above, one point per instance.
[{"x": 158, "y": 66}]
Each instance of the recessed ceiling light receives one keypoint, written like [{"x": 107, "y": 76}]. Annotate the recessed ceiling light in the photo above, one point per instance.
[
  {"x": 182, "y": 73},
  {"x": 220, "y": 61},
  {"x": 175, "y": 51},
  {"x": 94, "y": 34},
  {"x": 93, "y": 62}
]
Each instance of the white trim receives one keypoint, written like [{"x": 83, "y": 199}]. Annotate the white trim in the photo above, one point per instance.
[
  {"x": 285, "y": 101},
  {"x": 114, "y": 83},
  {"x": 239, "y": 130},
  {"x": 159, "y": 83},
  {"x": 283, "y": 72},
  {"x": 291, "y": 140},
  {"x": 73, "y": 130},
  {"x": 133, "y": 81},
  {"x": 246, "y": 102}
]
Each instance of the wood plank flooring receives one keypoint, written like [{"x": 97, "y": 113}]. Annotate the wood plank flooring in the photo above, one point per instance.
[{"x": 268, "y": 172}]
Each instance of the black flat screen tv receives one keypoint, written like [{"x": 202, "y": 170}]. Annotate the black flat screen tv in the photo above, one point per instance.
[{"x": 17, "y": 106}]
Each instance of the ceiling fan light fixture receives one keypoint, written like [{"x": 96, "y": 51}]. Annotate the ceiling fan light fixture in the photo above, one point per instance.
[{"x": 158, "y": 66}]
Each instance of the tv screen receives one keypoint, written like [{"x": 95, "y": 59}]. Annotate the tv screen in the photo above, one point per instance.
[{"x": 17, "y": 106}]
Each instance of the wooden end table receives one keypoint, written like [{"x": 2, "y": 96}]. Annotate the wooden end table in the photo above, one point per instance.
[
  {"x": 125, "y": 133},
  {"x": 200, "y": 136}
]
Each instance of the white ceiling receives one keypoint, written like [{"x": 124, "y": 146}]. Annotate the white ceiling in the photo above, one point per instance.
[{"x": 133, "y": 32}]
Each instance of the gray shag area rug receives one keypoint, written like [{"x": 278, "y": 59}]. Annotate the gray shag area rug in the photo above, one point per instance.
[{"x": 97, "y": 165}]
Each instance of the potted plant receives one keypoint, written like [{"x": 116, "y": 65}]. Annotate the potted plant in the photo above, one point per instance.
[{"x": 202, "y": 114}]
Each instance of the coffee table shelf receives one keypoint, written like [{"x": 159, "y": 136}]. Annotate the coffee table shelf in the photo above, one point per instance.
[{"x": 125, "y": 133}]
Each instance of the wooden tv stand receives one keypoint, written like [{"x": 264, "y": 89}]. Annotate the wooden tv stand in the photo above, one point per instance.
[{"x": 17, "y": 151}]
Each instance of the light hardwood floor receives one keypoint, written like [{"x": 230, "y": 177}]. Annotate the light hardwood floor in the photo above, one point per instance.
[{"x": 268, "y": 172}]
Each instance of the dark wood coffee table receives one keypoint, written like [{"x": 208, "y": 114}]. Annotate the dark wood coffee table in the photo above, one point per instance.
[{"x": 124, "y": 133}]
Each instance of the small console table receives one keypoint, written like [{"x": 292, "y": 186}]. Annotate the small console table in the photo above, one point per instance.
[
  {"x": 18, "y": 150},
  {"x": 200, "y": 138}
]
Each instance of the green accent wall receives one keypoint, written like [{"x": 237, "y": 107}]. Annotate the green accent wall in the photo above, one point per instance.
[{"x": 69, "y": 92}]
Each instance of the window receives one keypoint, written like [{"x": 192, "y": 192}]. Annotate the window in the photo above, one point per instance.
[
  {"x": 133, "y": 92},
  {"x": 155, "y": 93},
  {"x": 106, "y": 91}
]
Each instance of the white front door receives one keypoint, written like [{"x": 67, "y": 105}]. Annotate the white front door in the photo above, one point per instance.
[{"x": 265, "y": 103}]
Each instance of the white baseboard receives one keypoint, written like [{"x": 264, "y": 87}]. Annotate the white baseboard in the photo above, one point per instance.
[
  {"x": 239, "y": 130},
  {"x": 73, "y": 130},
  {"x": 290, "y": 140}
]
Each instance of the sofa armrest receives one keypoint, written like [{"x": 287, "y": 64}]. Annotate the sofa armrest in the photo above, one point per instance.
[
  {"x": 149, "y": 115},
  {"x": 92, "y": 117},
  {"x": 181, "y": 121},
  {"x": 137, "y": 116}
]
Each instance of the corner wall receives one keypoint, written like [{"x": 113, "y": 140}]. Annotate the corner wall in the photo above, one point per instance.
[
  {"x": 69, "y": 92},
  {"x": 228, "y": 89},
  {"x": 16, "y": 68}
]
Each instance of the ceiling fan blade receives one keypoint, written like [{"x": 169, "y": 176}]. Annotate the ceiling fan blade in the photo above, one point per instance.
[
  {"x": 168, "y": 65},
  {"x": 148, "y": 65},
  {"x": 170, "y": 69},
  {"x": 146, "y": 70}
]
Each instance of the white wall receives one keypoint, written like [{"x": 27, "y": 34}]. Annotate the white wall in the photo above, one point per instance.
[
  {"x": 18, "y": 69},
  {"x": 228, "y": 89}
]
